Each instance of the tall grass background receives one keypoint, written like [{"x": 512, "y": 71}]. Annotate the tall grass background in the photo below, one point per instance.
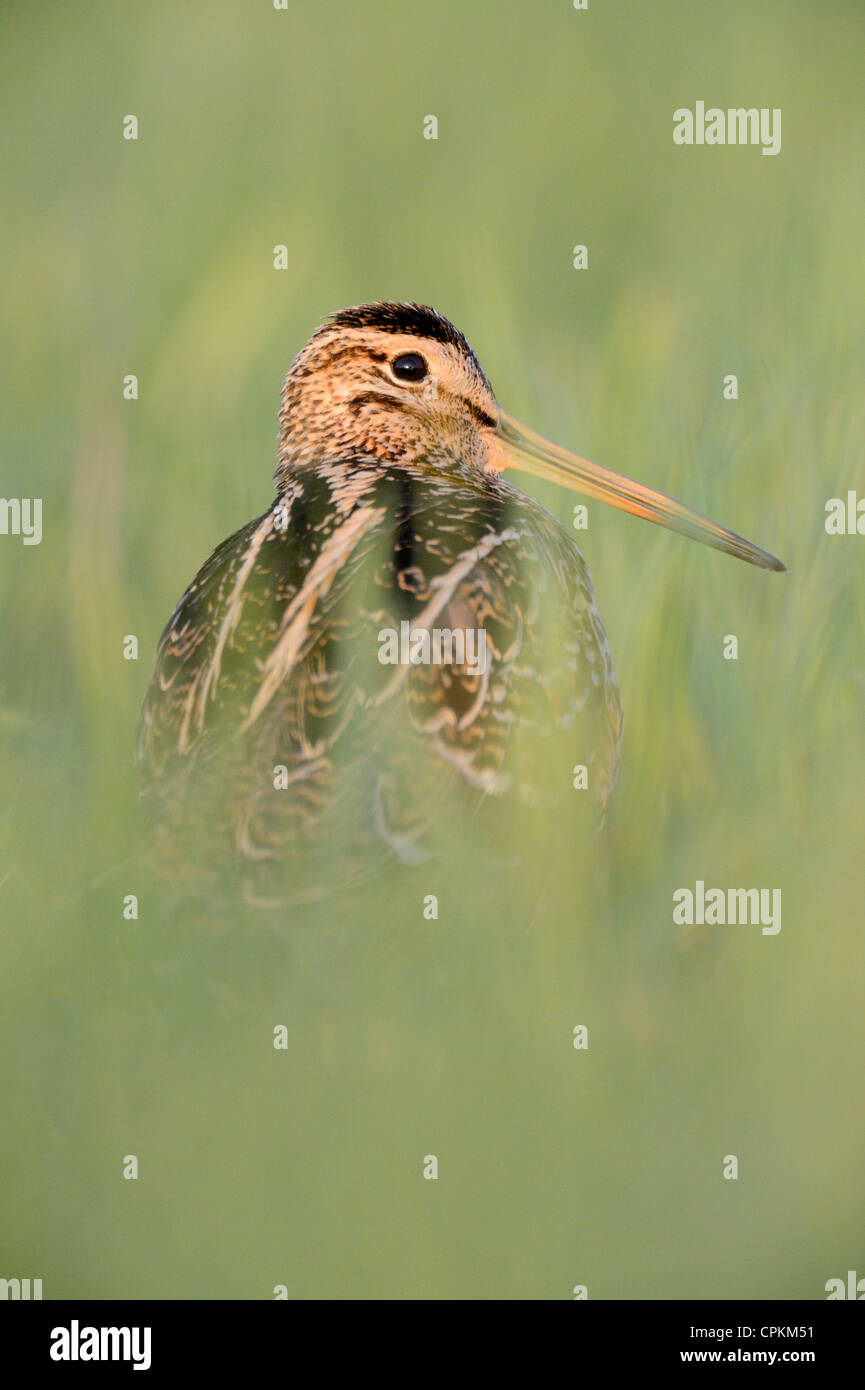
[{"x": 408, "y": 1037}]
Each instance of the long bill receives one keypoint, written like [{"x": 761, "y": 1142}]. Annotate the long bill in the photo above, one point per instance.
[{"x": 519, "y": 447}]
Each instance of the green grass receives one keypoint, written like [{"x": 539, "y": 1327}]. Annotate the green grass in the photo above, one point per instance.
[{"x": 406, "y": 1037}]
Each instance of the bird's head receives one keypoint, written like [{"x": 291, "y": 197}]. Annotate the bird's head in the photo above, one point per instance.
[
  {"x": 391, "y": 382},
  {"x": 398, "y": 382}
]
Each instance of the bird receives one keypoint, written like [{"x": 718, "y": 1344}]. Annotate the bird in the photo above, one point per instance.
[{"x": 311, "y": 691}]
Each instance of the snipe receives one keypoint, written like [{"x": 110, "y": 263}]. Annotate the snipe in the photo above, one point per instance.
[{"x": 272, "y": 723}]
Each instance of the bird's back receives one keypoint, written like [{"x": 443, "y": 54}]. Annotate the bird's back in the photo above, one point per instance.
[{"x": 277, "y": 728}]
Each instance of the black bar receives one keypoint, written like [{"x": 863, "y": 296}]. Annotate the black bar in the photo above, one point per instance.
[{"x": 221, "y": 1338}]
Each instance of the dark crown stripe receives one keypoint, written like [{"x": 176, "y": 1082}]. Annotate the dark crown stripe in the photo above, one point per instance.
[{"x": 417, "y": 319}]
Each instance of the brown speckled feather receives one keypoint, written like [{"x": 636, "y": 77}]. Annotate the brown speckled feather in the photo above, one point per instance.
[
  {"x": 270, "y": 725},
  {"x": 271, "y": 660}
]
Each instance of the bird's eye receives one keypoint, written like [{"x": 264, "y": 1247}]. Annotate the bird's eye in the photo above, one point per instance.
[{"x": 409, "y": 366}]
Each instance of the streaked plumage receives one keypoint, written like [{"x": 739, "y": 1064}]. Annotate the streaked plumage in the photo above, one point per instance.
[{"x": 390, "y": 508}]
